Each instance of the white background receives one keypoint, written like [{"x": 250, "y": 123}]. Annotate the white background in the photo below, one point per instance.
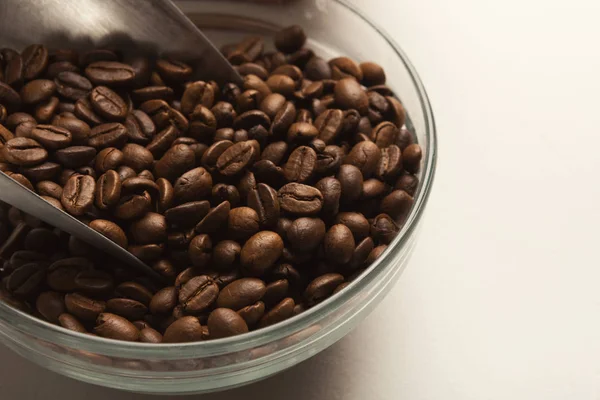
[{"x": 501, "y": 299}]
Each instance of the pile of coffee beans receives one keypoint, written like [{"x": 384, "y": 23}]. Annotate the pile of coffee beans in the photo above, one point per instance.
[{"x": 254, "y": 202}]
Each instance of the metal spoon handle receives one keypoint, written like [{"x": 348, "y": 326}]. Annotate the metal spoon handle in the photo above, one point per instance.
[{"x": 16, "y": 195}]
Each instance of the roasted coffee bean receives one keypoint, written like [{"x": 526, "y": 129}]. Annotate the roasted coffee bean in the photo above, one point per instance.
[
  {"x": 226, "y": 254},
  {"x": 349, "y": 95},
  {"x": 94, "y": 282},
  {"x": 338, "y": 244},
  {"x": 140, "y": 127},
  {"x": 72, "y": 85},
  {"x": 321, "y": 288},
  {"x": 343, "y": 67},
  {"x": 351, "y": 180},
  {"x": 329, "y": 160},
  {"x": 71, "y": 323},
  {"x": 408, "y": 183},
  {"x": 112, "y": 134},
  {"x": 37, "y": 91},
  {"x": 40, "y": 172},
  {"x": 411, "y": 157},
  {"x": 61, "y": 274},
  {"x": 282, "y": 311},
  {"x": 78, "y": 194},
  {"x": 108, "y": 104},
  {"x": 241, "y": 293},
  {"x": 108, "y": 190},
  {"x": 162, "y": 141},
  {"x": 80, "y": 131},
  {"x": 75, "y": 156},
  {"x": 224, "y": 322},
  {"x": 372, "y": 73},
  {"x": 13, "y": 73},
  {"x": 148, "y": 253},
  {"x": 133, "y": 206},
  {"x": 108, "y": 159},
  {"x": 27, "y": 279},
  {"x": 299, "y": 199},
  {"x": 306, "y": 234},
  {"x": 329, "y": 125},
  {"x": 200, "y": 250},
  {"x": 127, "y": 308},
  {"x": 215, "y": 219},
  {"x": 173, "y": 70},
  {"x": 396, "y": 114},
  {"x": 153, "y": 93},
  {"x": 383, "y": 228},
  {"x": 188, "y": 214},
  {"x": 397, "y": 205},
  {"x": 196, "y": 93},
  {"x": 20, "y": 179},
  {"x": 276, "y": 291},
  {"x": 356, "y": 222},
  {"x": 317, "y": 69},
  {"x": 331, "y": 189},
  {"x": 113, "y": 326},
  {"x": 365, "y": 155},
  {"x": 260, "y": 253},
  {"x": 9, "y": 97},
  {"x": 198, "y": 294},
  {"x": 243, "y": 222},
  {"x": 404, "y": 139},
  {"x": 272, "y": 104},
  {"x": 252, "y": 313},
  {"x": 41, "y": 240},
  {"x": 185, "y": 329},
  {"x": 126, "y": 172},
  {"x": 35, "y": 61},
  {"x": 265, "y": 202},
  {"x": 83, "y": 307},
  {"x": 222, "y": 192},
  {"x": 45, "y": 110},
  {"x": 361, "y": 252},
  {"x": 235, "y": 158},
  {"x": 385, "y": 134},
  {"x": 164, "y": 301},
  {"x": 110, "y": 230},
  {"x": 50, "y": 305},
  {"x": 60, "y": 66},
  {"x": 151, "y": 228},
  {"x": 83, "y": 110},
  {"x": 284, "y": 119},
  {"x": 194, "y": 185},
  {"x": 51, "y": 137},
  {"x": 301, "y": 164},
  {"x": 109, "y": 73},
  {"x": 275, "y": 152},
  {"x": 374, "y": 188},
  {"x": 390, "y": 163},
  {"x": 143, "y": 178},
  {"x": 281, "y": 84},
  {"x": 49, "y": 188},
  {"x": 24, "y": 152}
]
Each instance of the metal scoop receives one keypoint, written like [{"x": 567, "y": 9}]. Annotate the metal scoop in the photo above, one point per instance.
[{"x": 154, "y": 27}]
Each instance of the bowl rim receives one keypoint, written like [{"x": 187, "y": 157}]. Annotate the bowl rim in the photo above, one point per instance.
[{"x": 58, "y": 335}]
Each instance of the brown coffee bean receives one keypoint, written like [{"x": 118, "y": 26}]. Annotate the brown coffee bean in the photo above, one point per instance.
[
  {"x": 243, "y": 223},
  {"x": 40, "y": 172},
  {"x": 365, "y": 155},
  {"x": 351, "y": 180},
  {"x": 275, "y": 152},
  {"x": 108, "y": 190},
  {"x": 75, "y": 156},
  {"x": 194, "y": 185},
  {"x": 343, "y": 67},
  {"x": 384, "y": 229},
  {"x": 372, "y": 73},
  {"x": 282, "y": 311},
  {"x": 79, "y": 130},
  {"x": 224, "y": 322},
  {"x": 356, "y": 222},
  {"x": 173, "y": 70},
  {"x": 37, "y": 91},
  {"x": 83, "y": 307},
  {"x": 411, "y": 157},
  {"x": 83, "y": 110},
  {"x": 301, "y": 164},
  {"x": 226, "y": 254},
  {"x": 305, "y": 234},
  {"x": 78, "y": 194},
  {"x": 203, "y": 123},
  {"x": 94, "y": 282},
  {"x": 241, "y": 293},
  {"x": 113, "y": 326},
  {"x": 108, "y": 104},
  {"x": 62, "y": 273},
  {"x": 276, "y": 291},
  {"x": 390, "y": 163},
  {"x": 408, "y": 183},
  {"x": 112, "y": 134},
  {"x": 35, "y": 61},
  {"x": 110, "y": 230},
  {"x": 71, "y": 323},
  {"x": 235, "y": 158},
  {"x": 176, "y": 161},
  {"x": 126, "y": 308},
  {"x": 317, "y": 69},
  {"x": 140, "y": 127},
  {"x": 151, "y": 228},
  {"x": 361, "y": 252},
  {"x": 133, "y": 206},
  {"x": 265, "y": 202},
  {"x": 153, "y": 93},
  {"x": 27, "y": 279},
  {"x": 322, "y": 287},
  {"x": 57, "y": 67},
  {"x": 50, "y": 305},
  {"x": 331, "y": 189},
  {"x": 252, "y": 313},
  {"x": 215, "y": 219},
  {"x": 108, "y": 159},
  {"x": 72, "y": 85},
  {"x": 397, "y": 114},
  {"x": 397, "y": 205},
  {"x": 375, "y": 253},
  {"x": 338, "y": 244},
  {"x": 200, "y": 250},
  {"x": 188, "y": 214},
  {"x": 13, "y": 73},
  {"x": 349, "y": 95},
  {"x": 196, "y": 93},
  {"x": 44, "y": 111},
  {"x": 9, "y": 97},
  {"x": 299, "y": 199},
  {"x": 198, "y": 294},
  {"x": 109, "y": 73},
  {"x": 185, "y": 329},
  {"x": 222, "y": 192},
  {"x": 137, "y": 157},
  {"x": 260, "y": 252},
  {"x": 24, "y": 152},
  {"x": 134, "y": 291},
  {"x": 164, "y": 301},
  {"x": 49, "y": 188},
  {"x": 165, "y": 195}
]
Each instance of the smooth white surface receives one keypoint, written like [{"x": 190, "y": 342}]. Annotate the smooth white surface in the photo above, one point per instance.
[{"x": 501, "y": 299}]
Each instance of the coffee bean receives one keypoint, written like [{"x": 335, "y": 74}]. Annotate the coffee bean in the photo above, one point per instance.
[
  {"x": 197, "y": 93},
  {"x": 397, "y": 205},
  {"x": 60, "y": 66},
  {"x": 224, "y": 322},
  {"x": 396, "y": 114},
  {"x": 241, "y": 293},
  {"x": 71, "y": 323},
  {"x": 390, "y": 163},
  {"x": 40, "y": 172},
  {"x": 62, "y": 273},
  {"x": 408, "y": 183},
  {"x": 343, "y": 67},
  {"x": 188, "y": 214},
  {"x": 331, "y": 189},
  {"x": 243, "y": 223},
  {"x": 126, "y": 308},
  {"x": 372, "y": 73},
  {"x": 272, "y": 104},
  {"x": 173, "y": 70},
  {"x": 226, "y": 254},
  {"x": 356, "y": 222},
  {"x": 140, "y": 127},
  {"x": 185, "y": 329},
  {"x": 235, "y": 158},
  {"x": 52, "y": 137},
  {"x": 112, "y": 134},
  {"x": 321, "y": 288},
  {"x": 194, "y": 185},
  {"x": 198, "y": 294},
  {"x": 50, "y": 305},
  {"x": 14, "y": 72},
  {"x": 144, "y": 94},
  {"x": 126, "y": 172},
  {"x": 405, "y": 138},
  {"x": 27, "y": 279},
  {"x": 222, "y": 192},
  {"x": 252, "y": 313},
  {"x": 83, "y": 307},
  {"x": 108, "y": 190},
  {"x": 299, "y": 199},
  {"x": 35, "y": 61},
  {"x": 75, "y": 156},
  {"x": 133, "y": 206},
  {"x": 338, "y": 244},
  {"x": 385, "y": 134},
  {"x": 351, "y": 180},
  {"x": 164, "y": 301},
  {"x": 108, "y": 104},
  {"x": 37, "y": 91},
  {"x": 364, "y": 155},
  {"x": 151, "y": 228},
  {"x": 301, "y": 164},
  {"x": 72, "y": 85},
  {"x": 282, "y": 311},
  {"x": 108, "y": 159},
  {"x": 109, "y": 73},
  {"x": 94, "y": 282},
  {"x": 276, "y": 291},
  {"x": 24, "y": 152},
  {"x": 79, "y": 130},
  {"x": 383, "y": 228},
  {"x": 83, "y": 110},
  {"x": 284, "y": 119},
  {"x": 113, "y": 326},
  {"x": 49, "y": 188},
  {"x": 411, "y": 157},
  {"x": 215, "y": 219},
  {"x": 9, "y": 97},
  {"x": 265, "y": 202},
  {"x": 162, "y": 141},
  {"x": 317, "y": 69},
  {"x": 349, "y": 95},
  {"x": 275, "y": 152},
  {"x": 260, "y": 252},
  {"x": 200, "y": 250},
  {"x": 306, "y": 234},
  {"x": 41, "y": 240},
  {"x": 78, "y": 194},
  {"x": 148, "y": 253},
  {"x": 110, "y": 230}
]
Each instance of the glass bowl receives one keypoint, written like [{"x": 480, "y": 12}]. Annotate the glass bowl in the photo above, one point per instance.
[{"x": 334, "y": 28}]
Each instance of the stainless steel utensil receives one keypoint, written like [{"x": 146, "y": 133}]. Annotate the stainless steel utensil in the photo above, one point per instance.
[{"x": 155, "y": 27}]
